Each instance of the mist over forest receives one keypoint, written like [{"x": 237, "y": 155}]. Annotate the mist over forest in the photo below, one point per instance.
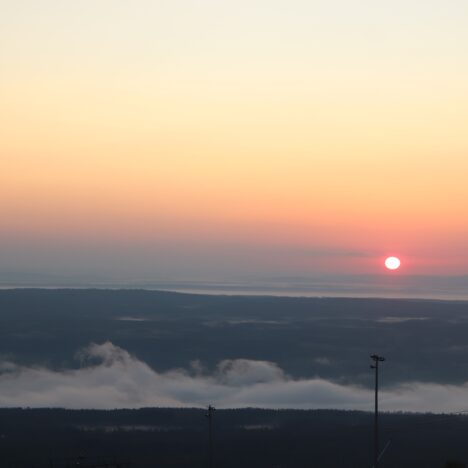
[
  {"x": 135, "y": 348},
  {"x": 134, "y": 370}
]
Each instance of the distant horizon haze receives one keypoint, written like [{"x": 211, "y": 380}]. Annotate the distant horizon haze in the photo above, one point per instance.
[{"x": 359, "y": 286}]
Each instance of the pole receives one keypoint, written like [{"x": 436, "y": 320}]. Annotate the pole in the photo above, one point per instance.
[
  {"x": 209, "y": 415},
  {"x": 375, "y": 366}
]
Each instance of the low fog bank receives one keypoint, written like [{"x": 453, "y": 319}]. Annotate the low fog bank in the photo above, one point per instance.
[{"x": 109, "y": 377}]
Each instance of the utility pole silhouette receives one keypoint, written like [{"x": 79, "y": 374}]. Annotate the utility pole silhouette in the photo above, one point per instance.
[
  {"x": 209, "y": 415},
  {"x": 376, "y": 358}
]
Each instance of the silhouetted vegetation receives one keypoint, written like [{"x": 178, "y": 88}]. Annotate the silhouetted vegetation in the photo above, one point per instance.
[{"x": 246, "y": 438}]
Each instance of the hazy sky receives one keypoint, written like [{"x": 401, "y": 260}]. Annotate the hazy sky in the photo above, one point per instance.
[{"x": 209, "y": 138}]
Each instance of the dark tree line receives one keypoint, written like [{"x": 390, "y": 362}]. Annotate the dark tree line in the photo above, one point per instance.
[{"x": 248, "y": 438}]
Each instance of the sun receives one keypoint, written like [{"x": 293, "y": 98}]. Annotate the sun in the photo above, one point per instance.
[{"x": 392, "y": 263}]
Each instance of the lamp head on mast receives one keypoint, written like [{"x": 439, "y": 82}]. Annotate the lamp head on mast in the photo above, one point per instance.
[{"x": 376, "y": 358}]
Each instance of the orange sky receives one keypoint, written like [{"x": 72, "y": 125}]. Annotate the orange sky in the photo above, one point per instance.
[{"x": 256, "y": 127}]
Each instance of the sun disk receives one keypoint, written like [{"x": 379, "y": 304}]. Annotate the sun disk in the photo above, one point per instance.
[{"x": 392, "y": 263}]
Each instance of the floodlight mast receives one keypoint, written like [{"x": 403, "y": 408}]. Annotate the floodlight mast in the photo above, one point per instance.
[{"x": 376, "y": 358}]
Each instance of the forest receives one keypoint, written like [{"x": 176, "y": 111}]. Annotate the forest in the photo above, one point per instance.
[{"x": 37, "y": 438}]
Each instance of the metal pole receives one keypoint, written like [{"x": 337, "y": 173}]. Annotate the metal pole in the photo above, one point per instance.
[
  {"x": 375, "y": 366},
  {"x": 209, "y": 415}
]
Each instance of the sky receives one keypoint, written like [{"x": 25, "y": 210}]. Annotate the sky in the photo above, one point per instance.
[{"x": 185, "y": 139}]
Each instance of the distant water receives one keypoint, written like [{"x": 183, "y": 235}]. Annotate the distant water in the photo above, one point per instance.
[{"x": 385, "y": 286}]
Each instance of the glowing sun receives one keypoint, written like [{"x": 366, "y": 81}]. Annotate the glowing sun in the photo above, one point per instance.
[{"x": 392, "y": 263}]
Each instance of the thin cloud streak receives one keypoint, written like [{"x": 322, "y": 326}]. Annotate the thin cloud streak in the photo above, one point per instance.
[{"x": 109, "y": 377}]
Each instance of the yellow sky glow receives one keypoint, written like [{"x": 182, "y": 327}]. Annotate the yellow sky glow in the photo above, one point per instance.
[{"x": 289, "y": 123}]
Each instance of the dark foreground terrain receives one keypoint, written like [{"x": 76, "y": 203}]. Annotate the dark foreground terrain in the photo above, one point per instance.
[
  {"x": 325, "y": 338},
  {"x": 242, "y": 438}
]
